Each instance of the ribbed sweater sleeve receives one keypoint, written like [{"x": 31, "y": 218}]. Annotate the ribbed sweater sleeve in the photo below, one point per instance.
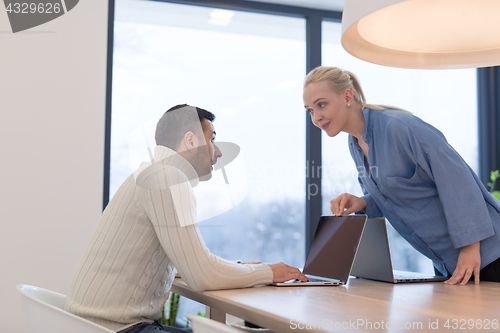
[{"x": 172, "y": 211}]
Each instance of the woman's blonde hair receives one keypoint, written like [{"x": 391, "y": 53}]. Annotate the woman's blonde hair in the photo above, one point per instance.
[{"x": 341, "y": 80}]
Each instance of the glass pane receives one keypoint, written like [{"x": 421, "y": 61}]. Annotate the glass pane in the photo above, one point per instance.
[
  {"x": 247, "y": 68},
  {"x": 447, "y": 99}
]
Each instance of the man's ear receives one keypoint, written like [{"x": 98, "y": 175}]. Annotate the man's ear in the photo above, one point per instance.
[{"x": 191, "y": 142}]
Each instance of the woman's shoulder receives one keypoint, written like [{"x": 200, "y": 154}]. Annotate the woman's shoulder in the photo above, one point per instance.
[
  {"x": 402, "y": 123},
  {"x": 399, "y": 119},
  {"x": 393, "y": 115},
  {"x": 390, "y": 120}
]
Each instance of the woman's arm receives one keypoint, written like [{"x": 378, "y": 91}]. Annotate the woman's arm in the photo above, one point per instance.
[
  {"x": 463, "y": 203},
  {"x": 467, "y": 217}
]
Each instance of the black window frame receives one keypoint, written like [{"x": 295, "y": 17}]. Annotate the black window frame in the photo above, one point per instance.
[{"x": 488, "y": 85}]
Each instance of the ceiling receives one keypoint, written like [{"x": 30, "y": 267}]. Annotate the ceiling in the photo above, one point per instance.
[{"x": 337, "y": 5}]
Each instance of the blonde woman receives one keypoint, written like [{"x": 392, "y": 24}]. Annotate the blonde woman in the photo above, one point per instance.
[{"x": 410, "y": 175}]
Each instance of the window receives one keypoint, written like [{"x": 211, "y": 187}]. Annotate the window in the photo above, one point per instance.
[
  {"x": 446, "y": 99},
  {"x": 248, "y": 69}
]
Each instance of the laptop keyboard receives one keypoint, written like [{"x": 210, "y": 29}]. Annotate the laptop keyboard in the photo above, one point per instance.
[
  {"x": 318, "y": 280},
  {"x": 408, "y": 276}
]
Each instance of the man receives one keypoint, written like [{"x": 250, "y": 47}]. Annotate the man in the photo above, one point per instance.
[{"x": 148, "y": 233}]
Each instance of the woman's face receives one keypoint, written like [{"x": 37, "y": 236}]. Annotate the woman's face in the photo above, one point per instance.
[{"x": 328, "y": 109}]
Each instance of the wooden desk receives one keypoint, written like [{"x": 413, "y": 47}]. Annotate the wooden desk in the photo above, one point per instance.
[{"x": 360, "y": 306}]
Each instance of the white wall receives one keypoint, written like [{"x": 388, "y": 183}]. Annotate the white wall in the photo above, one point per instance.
[{"x": 52, "y": 108}]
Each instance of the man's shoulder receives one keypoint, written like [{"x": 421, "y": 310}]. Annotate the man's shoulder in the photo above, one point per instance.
[{"x": 158, "y": 175}]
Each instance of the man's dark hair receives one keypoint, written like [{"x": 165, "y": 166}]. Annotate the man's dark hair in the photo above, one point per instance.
[{"x": 172, "y": 126}]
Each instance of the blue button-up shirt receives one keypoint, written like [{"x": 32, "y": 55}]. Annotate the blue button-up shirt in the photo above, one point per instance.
[{"x": 425, "y": 189}]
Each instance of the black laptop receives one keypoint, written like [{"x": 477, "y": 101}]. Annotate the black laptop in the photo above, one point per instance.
[{"x": 332, "y": 251}]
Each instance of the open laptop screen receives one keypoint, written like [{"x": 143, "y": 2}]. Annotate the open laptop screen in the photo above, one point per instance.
[{"x": 334, "y": 246}]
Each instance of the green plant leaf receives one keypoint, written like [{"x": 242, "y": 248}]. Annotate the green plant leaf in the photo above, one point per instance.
[
  {"x": 174, "y": 305},
  {"x": 163, "y": 318},
  {"x": 494, "y": 175},
  {"x": 496, "y": 194}
]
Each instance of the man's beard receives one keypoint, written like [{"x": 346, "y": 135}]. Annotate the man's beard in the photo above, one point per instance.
[{"x": 202, "y": 163}]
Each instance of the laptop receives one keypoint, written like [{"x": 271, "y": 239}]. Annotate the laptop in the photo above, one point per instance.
[
  {"x": 373, "y": 260},
  {"x": 332, "y": 251}
]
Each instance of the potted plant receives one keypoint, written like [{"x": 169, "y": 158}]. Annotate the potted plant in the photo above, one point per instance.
[
  {"x": 494, "y": 175},
  {"x": 173, "y": 307}
]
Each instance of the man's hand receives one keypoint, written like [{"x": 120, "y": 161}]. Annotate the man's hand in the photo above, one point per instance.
[
  {"x": 469, "y": 261},
  {"x": 283, "y": 272},
  {"x": 349, "y": 202}
]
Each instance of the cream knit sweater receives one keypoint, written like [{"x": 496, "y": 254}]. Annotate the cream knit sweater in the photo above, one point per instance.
[{"x": 147, "y": 233}]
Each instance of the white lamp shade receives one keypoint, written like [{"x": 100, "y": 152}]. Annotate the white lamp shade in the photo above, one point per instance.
[{"x": 424, "y": 34}]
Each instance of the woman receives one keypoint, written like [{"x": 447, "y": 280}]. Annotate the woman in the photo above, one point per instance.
[{"x": 412, "y": 176}]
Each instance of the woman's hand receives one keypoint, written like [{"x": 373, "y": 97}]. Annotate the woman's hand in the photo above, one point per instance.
[
  {"x": 348, "y": 202},
  {"x": 283, "y": 272},
  {"x": 469, "y": 261}
]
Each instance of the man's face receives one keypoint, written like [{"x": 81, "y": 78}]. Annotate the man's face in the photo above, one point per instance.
[{"x": 208, "y": 154}]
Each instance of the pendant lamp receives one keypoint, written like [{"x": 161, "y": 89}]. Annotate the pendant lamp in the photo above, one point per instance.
[{"x": 423, "y": 34}]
